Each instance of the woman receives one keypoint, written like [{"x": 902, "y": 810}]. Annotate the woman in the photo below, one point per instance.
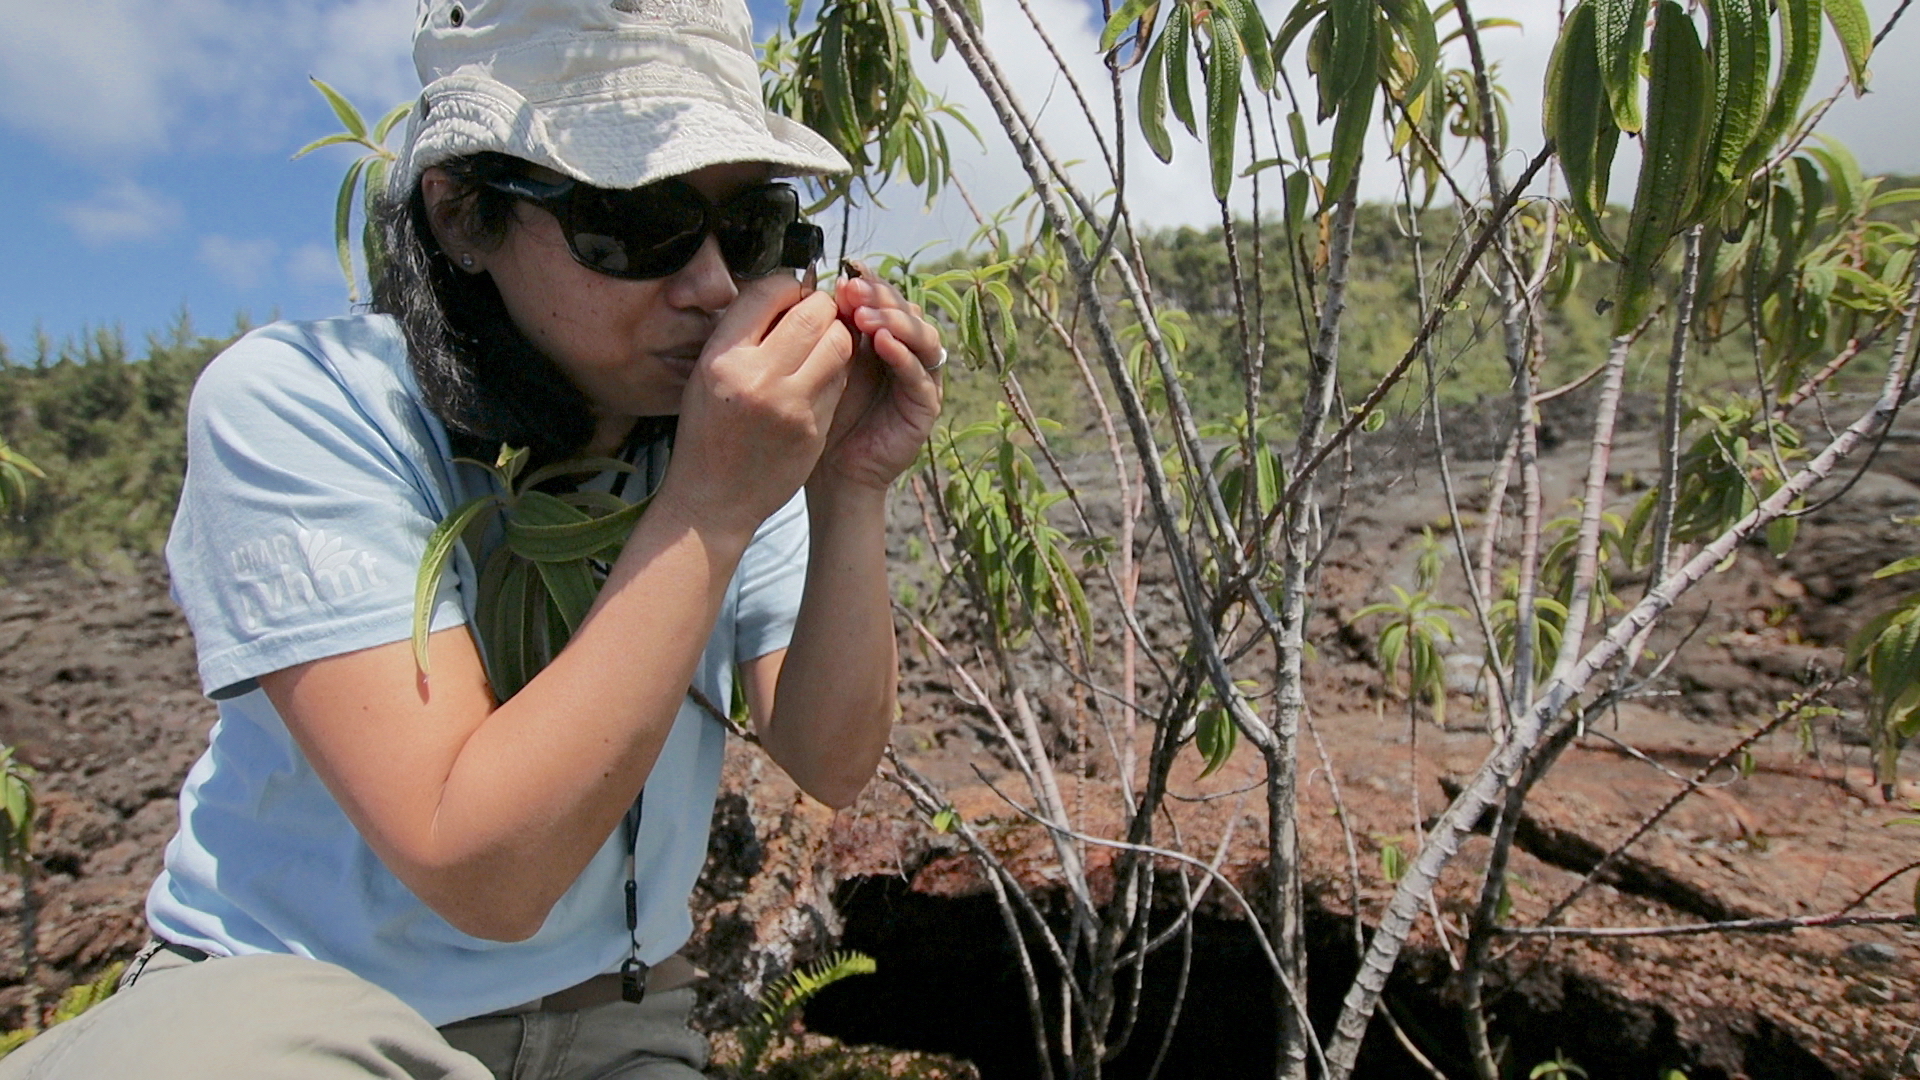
[{"x": 382, "y": 873}]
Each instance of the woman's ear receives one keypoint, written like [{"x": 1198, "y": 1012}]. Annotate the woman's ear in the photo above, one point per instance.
[{"x": 446, "y": 216}]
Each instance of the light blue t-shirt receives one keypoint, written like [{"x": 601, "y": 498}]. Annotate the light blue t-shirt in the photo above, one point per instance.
[{"x": 314, "y": 478}]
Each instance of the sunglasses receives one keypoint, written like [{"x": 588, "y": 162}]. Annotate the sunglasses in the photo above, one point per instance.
[{"x": 654, "y": 231}]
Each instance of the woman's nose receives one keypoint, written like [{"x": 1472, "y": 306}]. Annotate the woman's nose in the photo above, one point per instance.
[{"x": 705, "y": 282}]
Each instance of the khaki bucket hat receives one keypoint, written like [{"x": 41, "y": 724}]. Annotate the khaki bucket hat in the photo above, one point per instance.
[{"x": 614, "y": 93}]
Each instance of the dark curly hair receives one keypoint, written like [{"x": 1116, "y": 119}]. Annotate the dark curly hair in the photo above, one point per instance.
[{"x": 478, "y": 373}]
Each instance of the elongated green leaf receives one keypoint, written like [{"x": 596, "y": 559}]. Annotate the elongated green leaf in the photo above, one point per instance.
[
  {"x": 1900, "y": 566},
  {"x": 1223, "y": 100},
  {"x": 1302, "y": 14},
  {"x": 334, "y": 139},
  {"x": 394, "y": 116},
  {"x": 1741, "y": 52},
  {"x": 572, "y": 589},
  {"x": 342, "y": 108},
  {"x": 582, "y": 466},
  {"x": 1677, "y": 122},
  {"x": 1620, "y": 28},
  {"x": 1123, "y": 18},
  {"x": 1855, "y": 31},
  {"x": 1413, "y": 23},
  {"x": 1351, "y": 57},
  {"x": 1299, "y": 196},
  {"x": 1580, "y": 122},
  {"x": 1250, "y": 32},
  {"x": 1350, "y": 127},
  {"x": 572, "y": 541},
  {"x": 1799, "y": 52},
  {"x": 836, "y": 81},
  {"x": 342, "y": 228},
  {"x": 1844, "y": 180},
  {"x": 434, "y": 563},
  {"x": 893, "y": 71},
  {"x": 1153, "y": 100},
  {"x": 1216, "y": 738},
  {"x": 1179, "y": 36},
  {"x": 510, "y": 652}
]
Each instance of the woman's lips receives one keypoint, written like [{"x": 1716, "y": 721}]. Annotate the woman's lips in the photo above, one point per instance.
[{"x": 680, "y": 362}]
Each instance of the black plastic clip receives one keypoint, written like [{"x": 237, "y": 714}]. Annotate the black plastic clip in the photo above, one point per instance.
[{"x": 633, "y": 980}]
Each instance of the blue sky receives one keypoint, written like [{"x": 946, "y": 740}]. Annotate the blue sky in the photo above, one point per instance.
[{"x": 150, "y": 142}]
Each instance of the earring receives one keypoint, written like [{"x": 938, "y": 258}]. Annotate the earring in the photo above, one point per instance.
[{"x": 466, "y": 261}]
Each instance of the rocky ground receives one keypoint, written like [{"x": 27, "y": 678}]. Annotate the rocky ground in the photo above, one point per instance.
[{"x": 97, "y": 693}]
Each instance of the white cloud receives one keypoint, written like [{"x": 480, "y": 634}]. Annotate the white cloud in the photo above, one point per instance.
[
  {"x": 243, "y": 264},
  {"x": 314, "y": 266},
  {"x": 121, "y": 212},
  {"x": 123, "y": 78}
]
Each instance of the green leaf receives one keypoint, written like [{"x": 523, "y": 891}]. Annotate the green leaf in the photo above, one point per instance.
[
  {"x": 1393, "y": 861},
  {"x": 1350, "y": 128},
  {"x": 342, "y": 231},
  {"x": 1298, "y": 193},
  {"x": 394, "y": 116},
  {"x": 1223, "y": 100},
  {"x": 1901, "y": 566},
  {"x": 342, "y": 108},
  {"x": 945, "y": 820},
  {"x": 1620, "y": 28},
  {"x": 1577, "y": 118},
  {"x": 433, "y": 563},
  {"x": 1250, "y": 31},
  {"x": 1799, "y": 52},
  {"x": 1844, "y": 180},
  {"x": 547, "y": 540},
  {"x": 1216, "y": 737},
  {"x": 1123, "y": 18},
  {"x": 1178, "y": 35},
  {"x": 334, "y": 139},
  {"x": 572, "y": 589},
  {"x": 1855, "y": 31},
  {"x": 1351, "y": 58},
  {"x": 580, "y": 466},
  {"x": 1741, "y": 51},
  {"x": 836, "y": 82},
  {"x": 1678, "y": 101},
  {"x": 1781, "y": 532},
  {"x": 1414, "y": 25},
  {"x": 1297, "y": 136}
]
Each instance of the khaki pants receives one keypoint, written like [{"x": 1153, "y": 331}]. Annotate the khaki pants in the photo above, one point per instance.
[{"x": 290, "y": 1018}]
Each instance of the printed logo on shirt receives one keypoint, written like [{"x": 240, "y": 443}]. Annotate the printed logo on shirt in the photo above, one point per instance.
[{"x": 287, "y": 575}]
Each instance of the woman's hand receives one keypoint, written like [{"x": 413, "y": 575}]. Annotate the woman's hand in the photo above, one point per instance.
[
  {"x": 759, "y": 405},
  {"x": 893, "y": 394}
]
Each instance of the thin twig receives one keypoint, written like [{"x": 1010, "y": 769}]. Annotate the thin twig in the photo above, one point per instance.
[{"x": 1730, "y": 926}]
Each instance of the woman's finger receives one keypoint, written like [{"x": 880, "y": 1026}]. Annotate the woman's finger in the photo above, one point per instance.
[
  {"x": 918, "y": 378},
  {"x": 917, "y": 334},
  {"x": 795, "y": 336},
  {"x": 760, "y": 308}
]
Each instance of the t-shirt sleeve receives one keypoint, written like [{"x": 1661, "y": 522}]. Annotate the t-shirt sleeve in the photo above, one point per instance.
[
  {"x": 772, "y": 575},
  {"x": 305, "y": 511}
]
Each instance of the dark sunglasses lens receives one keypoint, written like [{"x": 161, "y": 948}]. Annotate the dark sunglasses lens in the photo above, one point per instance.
[
  {"x": 638, "y": 232},
  {"x": 752, "y": 229}
]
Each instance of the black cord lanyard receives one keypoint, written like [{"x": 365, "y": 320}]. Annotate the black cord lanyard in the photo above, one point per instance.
[
  {"x": 653, "y": 434},
  {"x": 633, "y": 971}
]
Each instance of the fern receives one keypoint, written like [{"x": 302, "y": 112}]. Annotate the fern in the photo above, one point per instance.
[
  {"x": 14, "y": 1040},
  {"x": 77, "y": 1000},
  {"x": 789, "y": 993}
]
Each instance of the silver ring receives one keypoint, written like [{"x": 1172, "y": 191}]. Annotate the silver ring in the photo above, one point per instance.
[{"x": 940, "y": 362}]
